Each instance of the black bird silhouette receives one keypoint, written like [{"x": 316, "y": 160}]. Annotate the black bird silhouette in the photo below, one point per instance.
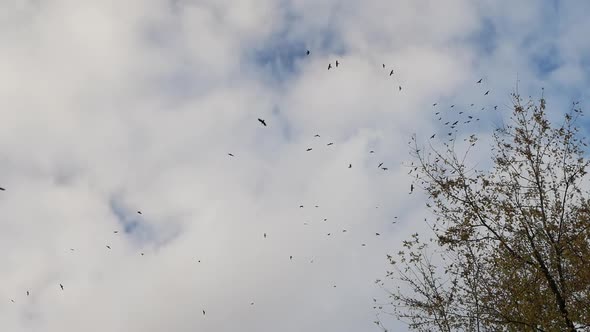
[
  {"x": 27, "y": 293},
  {"x": 391, "y": 72},
  {"x": 455, "y": 123},
  {"x": 479, "y": 81},
  {"x": 62, "y": 286},
  {"x": 308, "y": 52},
  {"x": 115, "y": 232},
  {"x": 329, "y": 66},
  {"x": 411, "y": 188},
  {"x": 265, "y": 235},
  {"x": 381, "y": 164},
  {"x": 431, "y": 137},
  {"x": 291, "y": 257},
  {"x": 316, "y": 135},
  {"x": 400, "y": 88},
  {"x": 2, "y": 189},
  {"x": 336, "y": 63},
  {"x": 434, "y": 104},
  {"x": 377, "y": 234},
  {"x": 203, "y": 312},
  {"x": 485, "y": 94},
  {"x": 109, "y": 247},
  {"x": 262, "y": 121},
  {"x": 229, "y": 154},
  {"x": 383, "y": 65},
  {"x": 308, "y": 149},
  {"x": 496, "y": 107},
  {"x": 329, "y": 144},
  {"x": 349, "y": 165},
  {"x": 300, "y": 206},
  {"x": 452, "y": 106},
  {"x": 138, "y": 212},
  {"x": 384, "y": 168},
  {"x": 371, "y": 151}
]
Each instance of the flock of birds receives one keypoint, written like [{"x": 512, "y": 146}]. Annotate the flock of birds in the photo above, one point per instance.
[{"x": 451, "y": 125}]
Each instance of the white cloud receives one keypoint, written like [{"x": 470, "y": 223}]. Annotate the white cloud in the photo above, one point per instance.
[{"x": 139, "y": 103}]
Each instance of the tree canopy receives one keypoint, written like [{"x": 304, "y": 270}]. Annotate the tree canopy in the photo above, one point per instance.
[{"x": 510, "y": 249}]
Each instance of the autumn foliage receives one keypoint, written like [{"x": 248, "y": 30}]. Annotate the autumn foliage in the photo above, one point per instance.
[{"x": 511, "y": 244}]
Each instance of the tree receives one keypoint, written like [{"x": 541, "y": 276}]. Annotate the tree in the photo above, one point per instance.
[{"x": 512, "y": 242}]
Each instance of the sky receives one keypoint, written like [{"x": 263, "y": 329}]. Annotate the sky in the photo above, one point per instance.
[{"x": 111, "y": 107}]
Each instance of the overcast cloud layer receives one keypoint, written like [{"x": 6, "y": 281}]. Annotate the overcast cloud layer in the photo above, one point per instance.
[{"x": 110, "y": 107}]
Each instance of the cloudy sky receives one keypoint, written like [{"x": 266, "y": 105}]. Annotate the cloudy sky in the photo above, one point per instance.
[{"x": 111, "y": 107}]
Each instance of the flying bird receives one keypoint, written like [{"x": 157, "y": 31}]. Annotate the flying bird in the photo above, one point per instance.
[
  {"x": 400, "y": 88},
  {"x": 262, "y": 121},
  {"x": 109, "y": 247},
  {"x": 434, "y": 104},
  {"x": 316, "y": 135},
  {"x": 329, "y": 66},
  {"x": 308, "y": 52},
  {"x": 265, "y": 235},
  {"x": 411, "y": 188},
  {"x": 308, "y": 149},
  {"x": 431, "y": 137},
  {"x": 115, "y": 232},
  {"x": 203, "y": 312},
  {"x": 349, "y": 165},
  {"x": 381, "y": 164},
  {"x": 62, "y": 286},
  {"x": 336, "y": 63},
  {"x": 485, "y": 94},
  {"x": 377, "y": 234},
  {"x": 329, "y": 144},
  {"x": 300, "y": 206},
  {"x": 383, "y": 65},
  {"x": 27, "y": 293},
  {"x": 2, "y": 189},
  {"x": 290, "y": 257},
  {"x": 391, "y": 72},
  {"x": 229, "y": 154},
  {"x": 479, "y": 81},
  {"x": 384, "y": 168},
  {"x": 371, "y": 151},
  {"x": 138, "y": 212}
]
